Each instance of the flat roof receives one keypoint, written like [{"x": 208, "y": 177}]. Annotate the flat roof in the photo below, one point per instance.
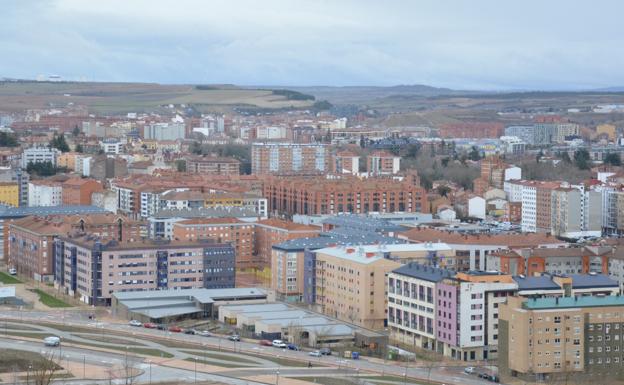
[
  {"x": 359, "y": 252},
  {"x": 199, "y": 294},
  {"x": 256, "y": 307},
  {"x": 580, "y": 281},
  {"x": 573, "y": 302},
  {"x": 270, "y": 315},
  {"x": 169, "y": 311},
  {"x": 427, "y": 273},
  {"x": 305, "y": 321},
  {"x": 16, "y": 212}
]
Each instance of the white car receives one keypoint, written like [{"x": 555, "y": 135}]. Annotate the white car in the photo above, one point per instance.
[
  {"x": 135, "y": 323},
  {"x": 203, "y": 333},
  {"x": 13, "y": 271},
  {"x": 316, "y": 353},
  {"x": 469, "y": 370},
  {"x": 52, "y": 341},
  {"x": 279, "y": 344}
]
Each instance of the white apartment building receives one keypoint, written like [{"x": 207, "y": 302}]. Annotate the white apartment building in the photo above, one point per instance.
[
  {"x": 529, "y": 208},
  {"x": 39, "y": 155},
  {"x": 164, "y": 131},
  {"x": 45, "y": 194},
  {"x": 111, "y": 146},
  {"x": 513, "y": 190}
]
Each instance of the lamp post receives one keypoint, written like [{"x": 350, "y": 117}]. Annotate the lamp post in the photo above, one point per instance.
[
  {"x": 84, "y": 366},
  {"x": 28, "y": 374},
  {"x": 277, "y": 377},
  {"x": 149, "y": 362},
  {"x": 195, "y": 369}
]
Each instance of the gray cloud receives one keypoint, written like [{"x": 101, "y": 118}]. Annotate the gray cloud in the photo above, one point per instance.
[{"x": 461, "y": 44}]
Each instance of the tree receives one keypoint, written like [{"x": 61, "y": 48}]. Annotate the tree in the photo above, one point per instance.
[
  {"x": 613, "y": 159},
  {"x": 539, "y": 156},
  {"x": 581, "y": 159},
  {"x": 566, "y": 157},
  {"x": 443, "y": 190},
  {"x": 445, "y": 162},
  {"x": 76, "y": 131},
  {"x": 7, "y": 140},
  {"x": 58, "y": 142},
  {"x": 43, "y": 370},
  {"x": 79, "y": 148},
  {"x": 181, "y": 165},
  {"x": 474, "y": 154}
]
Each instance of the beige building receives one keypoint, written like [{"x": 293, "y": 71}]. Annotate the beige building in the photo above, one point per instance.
[
  {"x": 351, "y": 285},
  {"x": 289, "y": 159},
  {"x": 546, "y": 338}
]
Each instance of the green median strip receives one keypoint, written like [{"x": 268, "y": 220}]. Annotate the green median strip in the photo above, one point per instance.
[
  {"x": 213, "y": 363},
  {"x": 50, "y": 300},
  {"x": 223, "y": 357},
  {"x": 8, "y": 279}
]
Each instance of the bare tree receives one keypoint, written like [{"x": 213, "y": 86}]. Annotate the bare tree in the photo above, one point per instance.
[{"x": 44, "y": 369}]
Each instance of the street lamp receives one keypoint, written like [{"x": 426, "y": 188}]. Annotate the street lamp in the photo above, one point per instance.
[
  {"x": 195, "y": 369},
  {"x": 28, "y": 374},
  {"x": 405, "y": 377},
  {"x": 84, "y": 366},
  {"x": 277, "y": 377},
  {"x": 149, "y": 362}
]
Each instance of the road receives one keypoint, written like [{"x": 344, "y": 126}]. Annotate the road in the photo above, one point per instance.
[{"x": 149, "y": 337}]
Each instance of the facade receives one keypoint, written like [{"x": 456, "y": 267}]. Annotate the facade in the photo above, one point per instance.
[
  {"x": 346, "y": 163},
  {"x": 351, "y": 285},
  {"x": 78, "y": 191},
  {"x": 111, "y": 146},
  {"x": 547, "y": 339},
  {"x": 270, "y": 232},
  {"x": 45, "y": 193},
  {"x": 222, "y": 230},
  {"x": 383, "y": 163},
  {"x": 289, "y": 158},
  {"x": 92, "y": 270},
  {"x": 39, "y": 155},
  {"x": 19, "y": 177},
  {"x": 576, "y": 212},
  {"x": 212, "y": 165},
  {"x": 320, "y": 195},
  {"x": 9, "y": 194},
  {"x": 164, "y": 131}
]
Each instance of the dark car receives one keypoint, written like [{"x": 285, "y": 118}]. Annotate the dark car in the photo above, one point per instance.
[
  {"x": 292, "y": 347},
  {"x": 493, "y": 378},
  {"x": 326, "y": 351},
  {"x": 190, "y": 331},
  {"x": 161, "y": 327},
  {"x": 484, "y": 375}
]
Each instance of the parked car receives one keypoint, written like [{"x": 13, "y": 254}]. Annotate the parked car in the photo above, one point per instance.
[
  {"x": 326, "y": 351},
  {"x": 161, "y": 327},
  {"x": 493, "y": 378},
  {"x": 483, "y": 375},
  {"x": 293, "y": 347},
  {"x": 315, "y": 353},
  {"x": 52, "y": 341},
  {"x": 13, "y": 271},
  {"x": 135, "y": 323},
  {"x": 175, "y": 329},
  {"x": 279, "y": 344},
  {"x": 203, "y": 333},
  {"x": 469, "y": 369},
  {"x": 190, "y": 331},
  {"x": 266, "y": 343},
  {"x": 234, "y": 337},
  {"x": 149, "y": 325}
]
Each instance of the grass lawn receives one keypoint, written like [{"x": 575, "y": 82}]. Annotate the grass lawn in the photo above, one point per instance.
[
  {"x": 50, "y": 300},
  {"x": 8, "y": 279},
  {"x": 218, "y": 356},
  {"x": 16, "y": 327},
  {"x": 26, "y": 334},
  {"x": 11, "y": 359},
  {"x": 108, "y": 339},
  {"x": 122, "y": 348},
  {"x": 329, "y": 380},
  {"x": 213, "y": 363}
]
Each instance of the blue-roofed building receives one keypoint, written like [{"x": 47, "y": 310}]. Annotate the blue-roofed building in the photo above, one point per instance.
[{"x": 547, "y": 285}]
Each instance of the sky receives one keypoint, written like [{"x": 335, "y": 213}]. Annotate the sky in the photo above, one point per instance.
[{"x": 460, "y": 44}]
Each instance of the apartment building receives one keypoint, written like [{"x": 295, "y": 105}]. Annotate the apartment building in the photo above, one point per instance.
[
  {"x": 270, "y": 232},
  {"x": 222, "y": 230},
  {"x": 289, "y": 158},
  {"x": 39, "y": 155},
  {"x": 9, "y": 194},
  {"x": 164, "y": 131},
  {"x": 550, "y": 339},
  {"x": 210, "y": 165},
  {"x": 576, "y": 212},
  {"x": 92, "y": 270},
  {"x": 30, "y": 245},
  {"x": 570, "y": 260},
  {"x": 321, "y": 195},
  {"x": 472, "y": 251},
  {"x": 346, "y": 162},
  {"x": 383, "y": 163},
  {"x": 111, "y": 146},
  {"x": 183, "y": 199},
  {"x": 19, "y": 177},
  {"x": 78, "y": 191},
  {"x": 350, "y": 284},
  {"x": 45, "y": 192}
]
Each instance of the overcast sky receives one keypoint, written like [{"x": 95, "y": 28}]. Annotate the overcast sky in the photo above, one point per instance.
[{"x": 464, "y": 44}]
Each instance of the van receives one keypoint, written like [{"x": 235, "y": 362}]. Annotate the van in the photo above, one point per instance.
[
  {"x": 52, "y": 341},
  {"x": 13, "y": 271}
]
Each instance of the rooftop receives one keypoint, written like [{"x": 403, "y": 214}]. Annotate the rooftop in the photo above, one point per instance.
[
  {"x": 503, "y": 240},
  {"x": 371, "y": 253},
  {"x": 286, "y": 225},
  {"x": 427, "y": 273},
  {"x": 17, "y": 212},
  {"x": 573, "y": 302}
]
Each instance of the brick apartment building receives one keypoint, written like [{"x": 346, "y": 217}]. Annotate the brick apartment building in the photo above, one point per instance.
[
  {"x": 78, "y": 191},
  {"x": 223, "y": 230},
  {"x": 383, "y": 163},
  {"x": 320, "y": 195},
  {"x": 289, "y": 159},
  {"x": 29, "y": 243},
  {"x": 270, "y": 232},
  {"x": 211, "y": 165},
  {"x": 92, "y": 269}
]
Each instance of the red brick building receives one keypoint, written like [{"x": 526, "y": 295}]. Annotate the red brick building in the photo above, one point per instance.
[
  {"x": 212, "y": 165},
  {"x": 77, "y": 191},
  {"x": 319, "y": 195},
  {"x": 272, "y": 231}
]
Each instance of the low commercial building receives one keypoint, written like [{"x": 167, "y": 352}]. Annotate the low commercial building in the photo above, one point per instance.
[
  {"x": 165, "y": 306},
  {"x": 547, "y": 339},
  {"x": 92, "y": 270}
]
